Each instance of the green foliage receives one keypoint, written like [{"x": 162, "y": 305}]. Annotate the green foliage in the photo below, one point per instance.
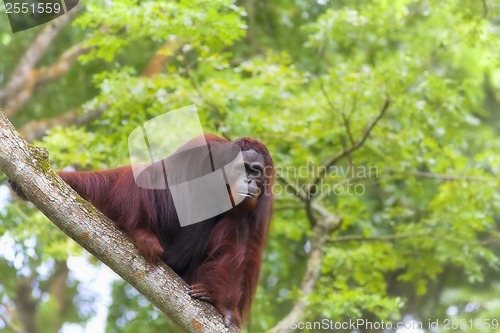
[
  {"x": 206, "y": 26},
  {"x": 134, "y": 313},
  {"x": 307, "y": 79}
]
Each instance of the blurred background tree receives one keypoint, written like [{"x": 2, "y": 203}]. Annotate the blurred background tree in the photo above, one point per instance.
[{"x": 399, "y": 99}]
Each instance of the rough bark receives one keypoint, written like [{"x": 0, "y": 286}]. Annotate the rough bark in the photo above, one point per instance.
[{"x": 29, "y": 167}]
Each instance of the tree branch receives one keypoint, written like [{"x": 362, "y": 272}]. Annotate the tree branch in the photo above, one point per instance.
[
  {"x": 14, "y": 101},
  {"x": 396, "y": 237},
  {"x": 301, "y": 195},
  {"x": 310, "y": 207},
  {"x": 35, "y": 129},
  {"x": 26, "y": 304},
  {"x": 381, "y": 238},
  {"x": 352, "y": 148},
  {"x": 37, "y": 49},
  {"x": 9, "y": 324},
  {"x": 62, "y": 64},
  {"x": 157, "y": 62},
  {"x": 446, "y": 177},
  {"x": 322, "y": 227},
  {"x": 92, "y": 230},
  {"x": 321, "y": 233},
  {"x": 345, "y": 119},
  {"x": 215, "y": 109},
  {"x": 485, "y": 8}
]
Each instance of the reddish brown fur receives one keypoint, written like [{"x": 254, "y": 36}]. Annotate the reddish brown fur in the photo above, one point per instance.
[{"x": 220, "y": 257}]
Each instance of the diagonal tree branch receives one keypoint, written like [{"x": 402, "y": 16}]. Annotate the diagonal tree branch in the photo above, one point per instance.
[
  {"x": 157, "y": 62},
  {"x": 37, "y": 49},
  {"x": 345, "y": 119},
  {"x": 15, "y": 101},
  {"x": 9, "y": 321},
  {"x": 321, "y": 233},
  {"x": 322, "y": 227},
  {"x": 62, "y": 64},
  {"x": 35, "y": 129},
  {"x": 28, "y": 167},
  {"x": 354, "y": 147}
]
